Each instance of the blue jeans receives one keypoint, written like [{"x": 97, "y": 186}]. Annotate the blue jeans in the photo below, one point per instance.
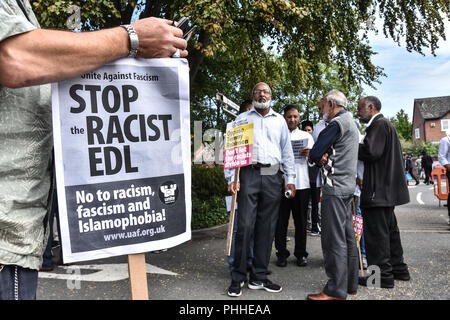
[
  {"x": 17, "y": 283},
  {"x": 230, "y": 258},
  {"x": 361, "y": 242}
]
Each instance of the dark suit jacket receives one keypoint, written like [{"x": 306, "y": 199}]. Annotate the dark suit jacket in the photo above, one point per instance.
[
  {"x": 384, "y": 182},
  {"x": 409, "y": 164},
  {"x": 427, "y": 161}
]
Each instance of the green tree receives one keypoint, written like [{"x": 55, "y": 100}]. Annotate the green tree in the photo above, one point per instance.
[
  {"x": 402, "y": 125},
  {"x": 294, "y": 45}
]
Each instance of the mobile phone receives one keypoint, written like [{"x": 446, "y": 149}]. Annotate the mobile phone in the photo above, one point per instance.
[
  {"x": 183, "y": 23},
  {"x": 188, "y": 35}
]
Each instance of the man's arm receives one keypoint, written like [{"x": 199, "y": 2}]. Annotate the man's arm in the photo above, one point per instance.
[
  {"x": 443, "y": 152},
  {"x": 43, "y": 56},
  {"x": 287, "y": 155},
  {"x": 326, "y": 139}
]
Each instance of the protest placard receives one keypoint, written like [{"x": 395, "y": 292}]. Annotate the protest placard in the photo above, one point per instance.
[
  {"x": 297, "y": 148},
  {"x": 238, "y": 153},
  {"x": 358, "y": 226},
  {"x": 238, "y": 144},
  {"x": 122, "y": 158}
]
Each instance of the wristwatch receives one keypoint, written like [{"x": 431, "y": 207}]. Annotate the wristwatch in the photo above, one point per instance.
[{"x": 134, "y": 41}]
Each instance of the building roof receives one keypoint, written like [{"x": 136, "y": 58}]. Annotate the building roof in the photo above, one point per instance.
[{"x": 433, "y": 108}]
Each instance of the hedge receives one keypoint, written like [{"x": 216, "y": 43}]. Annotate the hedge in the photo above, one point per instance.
[{"x": 209, "y": 189}]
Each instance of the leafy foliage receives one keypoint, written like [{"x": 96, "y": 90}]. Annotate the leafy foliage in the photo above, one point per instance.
[
  {"x": 417, "y": 147},
  {"x": 208, "y": 213},
  {"x": 207, "y": 181},
  {"x": 402, "y": 125},
  {"x": 301, "y": 48},
  {"x": 209, "y": 189}
]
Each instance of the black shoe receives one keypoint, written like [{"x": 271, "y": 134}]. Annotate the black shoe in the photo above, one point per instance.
[
  {"x": 266, "y": 285},
  {"x": 281, "y": 262},
  {"x": 402, "y": 276},
  {"x": 302, "y": 262},
  {"x": 385, "y": 284},
  {"x": 417, "y": 182},
  {"x": 235, "y": 289}
]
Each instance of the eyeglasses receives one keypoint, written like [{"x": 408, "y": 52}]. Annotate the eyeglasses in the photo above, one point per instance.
[{"x": 259, "y": 91}]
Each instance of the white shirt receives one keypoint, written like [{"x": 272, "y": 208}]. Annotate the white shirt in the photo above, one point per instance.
[
  {"x": 301, "y": 169},
  {"x": 359, "y": 169},
  {"x": 444, "y": 150},
  {"x": 318, "y": 127},
  {"x": 271, "y": 143}
]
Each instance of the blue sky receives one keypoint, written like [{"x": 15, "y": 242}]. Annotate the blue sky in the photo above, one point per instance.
[{"x": 409, "y": 74}]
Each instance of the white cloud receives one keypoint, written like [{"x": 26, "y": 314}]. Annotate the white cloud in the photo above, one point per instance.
[{"x": 409, "y": 74}]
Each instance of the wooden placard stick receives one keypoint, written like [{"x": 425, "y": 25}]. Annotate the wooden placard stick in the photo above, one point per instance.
[
  {"x": 233, "y": 209},
  {"x": 358, "y": 244},
  {"x": 138, "y": 276},
  {"x": 358, "y": 241}
]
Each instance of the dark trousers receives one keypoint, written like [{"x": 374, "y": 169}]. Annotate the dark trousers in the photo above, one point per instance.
[
  {"x": 412, "y": 175},
  {"x": 299, "y": 208},
  {"x": 340, "y": 253},
  {"x": 383, "y": 244},
  {"x": 315, "y": 218},
  {"x": 259, "y": 201},
  {"x": 427, "y": 174},
  {"x": 48, "y": 256},
  {"x": 17, "y": 283}
]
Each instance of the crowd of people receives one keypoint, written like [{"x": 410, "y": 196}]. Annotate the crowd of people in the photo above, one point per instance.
[
  {"x": 276, "y": 184},
  {"x": 355, "y": 174},
  {"x": 424, "y": 166}
]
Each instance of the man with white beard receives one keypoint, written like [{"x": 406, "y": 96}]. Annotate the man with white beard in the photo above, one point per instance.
[{"x": 259, "y": 192}]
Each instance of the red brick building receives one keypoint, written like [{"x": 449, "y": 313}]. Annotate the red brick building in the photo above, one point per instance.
[{"x": 431, "y": 118}]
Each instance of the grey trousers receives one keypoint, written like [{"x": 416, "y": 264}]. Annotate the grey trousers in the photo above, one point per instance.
[
  {"x": 339, "y": 249},
  {"x": 259, "y": 201}
]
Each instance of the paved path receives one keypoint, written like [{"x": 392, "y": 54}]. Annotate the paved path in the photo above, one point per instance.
[{"x": 197, "y": 270}]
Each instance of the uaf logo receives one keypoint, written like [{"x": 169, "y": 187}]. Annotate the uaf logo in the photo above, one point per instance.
[{"x": 168, "y": 192}]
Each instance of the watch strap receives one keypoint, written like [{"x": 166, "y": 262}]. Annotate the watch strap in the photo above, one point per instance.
[{"x": 134, "y": 41}]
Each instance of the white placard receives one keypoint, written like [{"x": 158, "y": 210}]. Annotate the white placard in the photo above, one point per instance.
[
  {"x": 122, "y": 158},
  {"x": 297, "y": 148}
]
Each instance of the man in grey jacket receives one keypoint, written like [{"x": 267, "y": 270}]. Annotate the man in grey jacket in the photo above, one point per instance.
[{"x": 336, "y": 150}]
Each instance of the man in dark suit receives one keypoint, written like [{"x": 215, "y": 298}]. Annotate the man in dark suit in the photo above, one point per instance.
[
  {"x": 427, "y": 164},
  {"x": 383, "y": 188}
]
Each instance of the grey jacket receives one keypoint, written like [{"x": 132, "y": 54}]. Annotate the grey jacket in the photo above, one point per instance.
[{"x": 343, "y": 161}]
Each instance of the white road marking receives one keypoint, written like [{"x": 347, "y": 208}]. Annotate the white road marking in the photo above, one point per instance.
[
  {"x": 105, "y": 273},
  {"x": 419, "y": 198}
]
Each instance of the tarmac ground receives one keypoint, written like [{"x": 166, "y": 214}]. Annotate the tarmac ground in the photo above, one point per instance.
[{"x": 198, "y": 271}]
